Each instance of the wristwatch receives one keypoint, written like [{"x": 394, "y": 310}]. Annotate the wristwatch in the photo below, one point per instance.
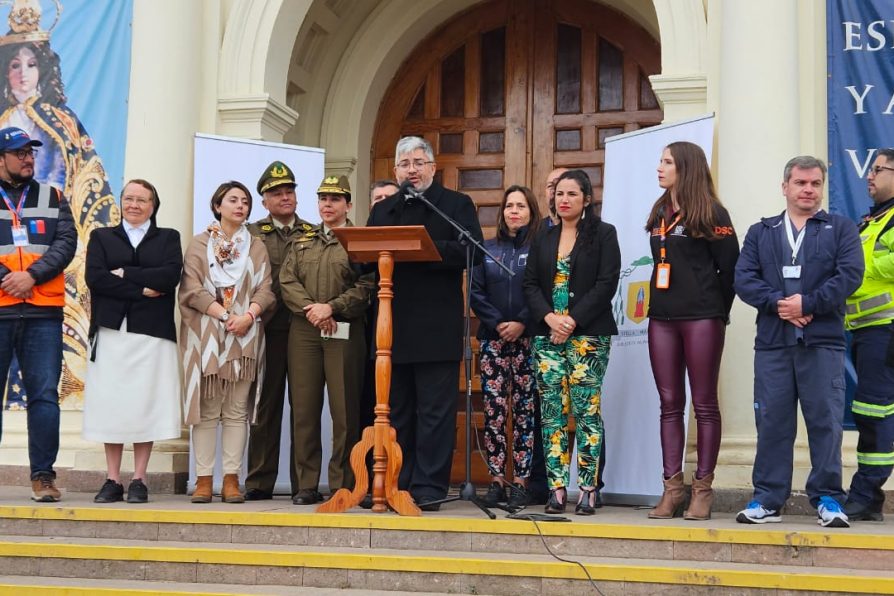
[{"x": 225, "y": 317}]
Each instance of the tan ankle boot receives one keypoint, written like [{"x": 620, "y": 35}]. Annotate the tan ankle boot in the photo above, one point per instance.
[
  {"x": 231, "y": 492},
  {"x": 202, "y": 494},
  {"x": 672, "y": 499},
  {"x": 702, "y": 499}
]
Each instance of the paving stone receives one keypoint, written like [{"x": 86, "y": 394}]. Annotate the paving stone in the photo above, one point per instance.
[
  {"x": 327, "y": 578},
  {"x": 338, "y": 537},
  {"x": 280, "y": 576},
  {"x": 412, "y": 540},
  {"x": 195, "y": 532},
  {"x": 295, "y": 536},
  {"x": 171, "y": 572},
  {"x": 764, "y": 554},
  {"x": 226, "y": 574},
  {"x": 408, "y": 581},
  {"x": 702, "y": 551}
]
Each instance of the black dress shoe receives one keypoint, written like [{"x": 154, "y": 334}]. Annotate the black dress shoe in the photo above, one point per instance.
[
  {"x": 496, "y": 493},
  {"x": 554, "y": 505},
  {"x": 307, "y": 496},
  {"x": 586, "y": 503},
  {"x": 428, "y": 504},
  {"x": 111, "y": 492},
  {"x": 860, "y": 512},
  {"x": 367, "y": 502},
  {"x": 256, "y": 494},
  {"x": 518, "y": 497},
  {"x": 137, "y": 492}
]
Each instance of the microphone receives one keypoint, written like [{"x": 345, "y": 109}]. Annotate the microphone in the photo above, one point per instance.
[{"x": 408, "y": 191}]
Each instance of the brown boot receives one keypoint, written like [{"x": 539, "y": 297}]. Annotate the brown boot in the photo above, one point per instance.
[
  {"x": 672, "y": 500},
  {"x": 231, "y": 492},
  {"x": 202, "y": 494},
  {"x": 702, "y": 499}
]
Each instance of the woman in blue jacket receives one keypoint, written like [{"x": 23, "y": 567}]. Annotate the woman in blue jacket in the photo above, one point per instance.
[{"x": 507, "y": 375}]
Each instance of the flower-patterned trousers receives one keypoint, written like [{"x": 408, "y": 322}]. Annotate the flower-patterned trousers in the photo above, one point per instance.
[
  {"x": 569, "y": 378},
  {"x": 507, "y": 376}
]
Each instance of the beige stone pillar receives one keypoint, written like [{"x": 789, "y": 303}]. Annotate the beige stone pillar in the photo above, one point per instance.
[{"x": 762, "y": 90}]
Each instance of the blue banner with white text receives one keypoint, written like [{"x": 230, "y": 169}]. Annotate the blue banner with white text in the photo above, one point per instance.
[{"x": 860, "y": 52}]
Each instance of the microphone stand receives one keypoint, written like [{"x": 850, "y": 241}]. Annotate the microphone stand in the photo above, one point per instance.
[{"x": 467, "y": 488}]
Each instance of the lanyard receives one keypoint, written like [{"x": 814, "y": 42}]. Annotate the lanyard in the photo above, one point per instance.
[
  {"x": 662, "y": 244},
  {"x": 795, "y": 244},
  {"x": 16, "y": 211}
]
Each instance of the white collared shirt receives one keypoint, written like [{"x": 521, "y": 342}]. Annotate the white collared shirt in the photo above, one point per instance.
[{"x": 136, "y": 234}]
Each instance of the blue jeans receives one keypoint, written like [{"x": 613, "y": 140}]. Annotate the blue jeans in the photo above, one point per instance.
[{"x": 37, "y": 343}]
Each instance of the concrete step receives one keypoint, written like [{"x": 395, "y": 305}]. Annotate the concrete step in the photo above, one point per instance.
[
  {"x": 59, "y": 586},
  {"x": 380, "y": 568},
  {"x": 614, "y": 532}
]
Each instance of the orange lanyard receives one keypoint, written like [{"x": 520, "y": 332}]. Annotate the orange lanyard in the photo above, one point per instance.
[{"x": 662, "y": 244}]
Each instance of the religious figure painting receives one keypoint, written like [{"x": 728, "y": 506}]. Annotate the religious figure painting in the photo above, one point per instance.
[{"x": 37, "y": 98}]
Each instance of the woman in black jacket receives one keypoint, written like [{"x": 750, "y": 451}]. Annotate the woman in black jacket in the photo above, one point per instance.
[
  {"x": 132, "y": 392},
  {"x": 507, "y": 373},
  {"x": 695, "y": 249},
  {"x": 571, "y": 278}
]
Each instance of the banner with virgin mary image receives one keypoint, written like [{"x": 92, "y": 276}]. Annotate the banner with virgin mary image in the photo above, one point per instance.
[{"x": 66, "y": 74}]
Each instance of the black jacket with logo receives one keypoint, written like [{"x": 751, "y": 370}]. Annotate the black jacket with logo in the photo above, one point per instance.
[{"x": 701, "y": 275}]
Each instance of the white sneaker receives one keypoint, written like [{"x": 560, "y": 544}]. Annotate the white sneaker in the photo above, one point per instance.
[
  {"x": 755, "y": 513},
  {"x": 830, "y": 515}
]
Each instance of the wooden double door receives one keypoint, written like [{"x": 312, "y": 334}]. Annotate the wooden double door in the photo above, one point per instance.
[{"x": 511, "y": 89}]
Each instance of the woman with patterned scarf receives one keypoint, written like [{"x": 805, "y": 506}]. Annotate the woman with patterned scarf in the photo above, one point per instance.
[{"x": 226, "y": 286}]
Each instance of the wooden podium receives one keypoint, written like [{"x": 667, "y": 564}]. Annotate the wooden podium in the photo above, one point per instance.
[{"x": 385, "y": 244}]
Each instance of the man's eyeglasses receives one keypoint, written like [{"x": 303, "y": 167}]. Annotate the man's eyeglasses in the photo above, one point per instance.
[
  {"x": 416, "y": 163},
  {"x": 23, "y": 153},
  {"x": 878, "y": 169}
]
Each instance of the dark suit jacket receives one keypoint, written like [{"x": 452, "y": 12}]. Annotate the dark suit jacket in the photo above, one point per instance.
[
  {"x": 156, "y": 263},
  {"x": 592, "y": 284},
  {"x": 428, "y": 297}
]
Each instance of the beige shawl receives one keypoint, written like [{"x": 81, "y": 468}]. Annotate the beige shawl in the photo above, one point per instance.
[{"x": 214, "y": 360}]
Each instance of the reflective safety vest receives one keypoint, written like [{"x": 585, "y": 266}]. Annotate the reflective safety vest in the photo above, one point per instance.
[{"x": 873, "y": 302}]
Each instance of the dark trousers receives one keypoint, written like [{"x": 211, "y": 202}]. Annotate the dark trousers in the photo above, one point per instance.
[
  {"x": 37, "y": 343},
  {"x": 873, "y": 410},
  {"x": 423, "y": 411},
  {"x": 264, "y": 435},
  {"x": 675, "y": 349},
  {"x": 782, "y": 378}
]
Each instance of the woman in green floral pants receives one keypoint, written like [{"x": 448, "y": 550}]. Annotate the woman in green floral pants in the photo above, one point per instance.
[{"x": 570, "y": 280}]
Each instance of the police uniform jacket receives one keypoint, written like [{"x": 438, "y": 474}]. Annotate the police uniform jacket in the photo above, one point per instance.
[
  {"x": 317, "y": 270},
  {"x": 277, "y": 243}
]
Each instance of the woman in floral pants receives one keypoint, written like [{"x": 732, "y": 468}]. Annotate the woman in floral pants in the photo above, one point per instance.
[
  {"x": 507, "y": 375},
  {"x": 571, "y": 278}
]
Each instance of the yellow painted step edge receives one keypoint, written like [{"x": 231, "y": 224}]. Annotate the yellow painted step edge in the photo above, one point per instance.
[
  {"x": 849, "y": 538},
  {"x": 17, "y": 589},
  {"x": 763, "y": 578}
]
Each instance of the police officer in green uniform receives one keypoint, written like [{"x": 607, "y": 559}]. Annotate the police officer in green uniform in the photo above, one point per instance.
[
  {"x": 869, "y": 315},
  {"x": 277, "y": 230},
  {"x": 328, "y": 298}
]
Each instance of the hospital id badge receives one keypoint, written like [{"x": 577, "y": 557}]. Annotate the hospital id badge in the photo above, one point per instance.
[
  {"x": 20, "y": 235},
  {"x": 663, "y": 276},
  {"x": 791, "y": 272}
]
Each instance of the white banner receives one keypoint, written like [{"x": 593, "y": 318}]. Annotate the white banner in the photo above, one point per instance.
[
  {"x": 219, "y": 159},
  {"x": 630, "y": 407}
]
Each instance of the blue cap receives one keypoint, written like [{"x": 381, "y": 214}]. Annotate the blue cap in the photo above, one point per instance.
[{"x": 13, "y": 138}]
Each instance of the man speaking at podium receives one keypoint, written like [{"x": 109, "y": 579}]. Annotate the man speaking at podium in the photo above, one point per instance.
[{"x": 428, "y": 323}]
